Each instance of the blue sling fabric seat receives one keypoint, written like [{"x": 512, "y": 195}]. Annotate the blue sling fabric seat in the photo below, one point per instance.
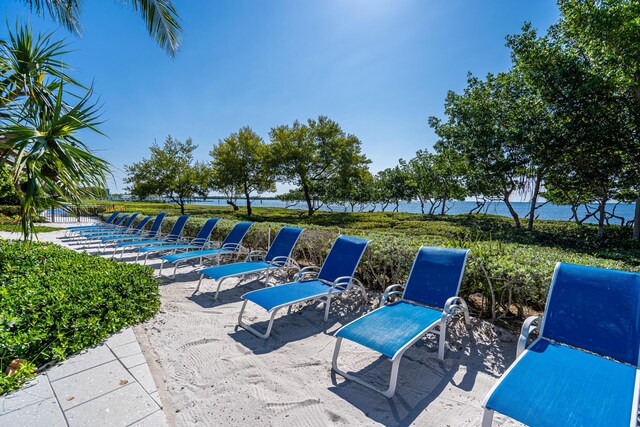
[
  {"x": 115, "y": 225},
  {"x": 335, "y": 277},
  {"x": 135, "y": 231},
  {"x": 428, "y": 300},
  {"x": 123, "y": 227},
  {"x": 198, "y": 242},
  {"x": 231, "y": 246},
  {"x": 582, "y": 370},
  {"x": 153, "y": 232},
  {"x": 107, "y": 222},
  {"x": 278, "y": 257},
  {"x": 172, "y": 237}
]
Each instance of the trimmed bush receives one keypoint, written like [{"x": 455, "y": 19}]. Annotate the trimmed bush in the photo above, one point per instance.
[
  {"x": 511, "y": 278},
  {"x": 55, "y": 302}
]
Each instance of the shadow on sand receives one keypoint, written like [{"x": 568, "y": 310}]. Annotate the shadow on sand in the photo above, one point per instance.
[
  {"x": 304, "y": 321},
  {"x": 422, "y": 377}
]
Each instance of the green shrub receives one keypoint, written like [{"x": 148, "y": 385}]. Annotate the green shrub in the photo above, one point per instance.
[
  {"x": 509, "y": 268},
  {"x": 55, "y": 302}
]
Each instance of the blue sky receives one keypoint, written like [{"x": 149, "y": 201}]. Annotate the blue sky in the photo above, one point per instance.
[{"x": 378, "y": 67}]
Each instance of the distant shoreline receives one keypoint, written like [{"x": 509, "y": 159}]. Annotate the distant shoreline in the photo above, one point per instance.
[{"x": 546, "y": 212}]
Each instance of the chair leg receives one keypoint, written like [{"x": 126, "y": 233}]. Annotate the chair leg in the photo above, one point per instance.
[
  {"x": 327, "y": 307},
  {"x": 215, "y": 297},
  {"x": 250, "y": 328},
  {"x": 442, "y": 338},
  {"x": 199, "y": 283},
  {"x": 175, "y": 269},
  {"x": 393, "y": 380},
  {"x": 161, "y": 267},
  {"x": 487, "y": 418}
]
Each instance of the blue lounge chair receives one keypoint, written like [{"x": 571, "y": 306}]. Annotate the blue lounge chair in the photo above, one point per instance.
[
  {"x": 278, "y": 257},
  {"x": 199, "y": 242},
  {"x": 116, "y": 224},
  {"x": 107, "y": 222},
  {"x": 582, "y": 370},
  {"x": 172, "y": 237},
  {"x": 335, "y": 277},
  {"x": 231, "y": 247},
  {"x": 137, "y": 231},
  {"x": 152, "y": 233},
  {"x": 122, "y": 228},
  {"x": 429, "y": 298}
]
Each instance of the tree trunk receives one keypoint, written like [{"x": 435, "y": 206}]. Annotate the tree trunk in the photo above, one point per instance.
[
  {"x": 636, "y": 221},
  {"x": 233, "y": 204},
  {"x": 397, "y": 206},
  {"x": 307, "y": 197},
  {"x": 601, "y": 212},
  {"x": 512, "y": 211},
  {"x": 246, "y": 195},
  {"x": 422, "y": 206},
  {"x": 444, "y": 204},
  {"x": 181, "y": 203},
  {"x": 534, "y": 201}
]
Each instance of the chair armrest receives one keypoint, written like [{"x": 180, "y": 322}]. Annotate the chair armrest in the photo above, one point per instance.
[
  {"x": 231, "y": 247},
  {"x": 311, "y": 270},
  {"x": 454, "y": 305},
  {"x": 342, "y": 282},
  {"x": 253, "y": 255},
  {"x": 284, "y": 261},
  {"x": 390, "y": 292},
  {"x": 528, "y": 327},
  {"x": 211, "y": 245},
  {"x": 347, "y": 283}
]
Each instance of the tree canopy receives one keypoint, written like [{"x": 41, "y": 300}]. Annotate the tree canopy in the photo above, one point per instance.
[
  {"x": 169, "y": 172},
  {"x": 316, "y": 157},
  {"x": 241, "y": 164}
]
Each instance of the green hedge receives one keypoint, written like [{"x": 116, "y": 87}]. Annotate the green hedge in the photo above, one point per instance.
[
  {"x": 509, "y": 278},
  {"x": 55, "y": 302}
]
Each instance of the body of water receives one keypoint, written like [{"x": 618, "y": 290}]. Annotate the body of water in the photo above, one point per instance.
[{"x": 547, "y": 211}]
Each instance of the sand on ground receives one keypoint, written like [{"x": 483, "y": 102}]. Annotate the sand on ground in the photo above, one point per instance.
[{"x": 215, "y": 373}]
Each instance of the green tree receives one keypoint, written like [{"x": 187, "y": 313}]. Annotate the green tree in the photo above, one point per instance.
[
  {"x": 608, "y": 32},
  {"x": 169, "y": 172},
  {"x": 437, "y": 178},
  {"x": 42, "y": 110},
  {"x": 160, "y": 17},
  {"x": 484, "y": 127},
  {"x": 315, "y": 157},
  {"x": 242, "y": 161},
  {"x": 594, "y": 115},
  {"x": 395, "y": 185}
]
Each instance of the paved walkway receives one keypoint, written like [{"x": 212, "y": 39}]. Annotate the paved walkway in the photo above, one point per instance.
[{"x": 108, "y": 385}]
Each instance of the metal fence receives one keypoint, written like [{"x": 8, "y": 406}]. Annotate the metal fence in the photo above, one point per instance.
[{"x": 85, "y": 213}]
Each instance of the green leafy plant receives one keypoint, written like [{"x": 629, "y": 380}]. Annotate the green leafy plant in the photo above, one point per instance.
[{"x": 55, "y": 302}]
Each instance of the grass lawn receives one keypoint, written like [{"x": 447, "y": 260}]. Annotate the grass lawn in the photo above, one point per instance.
[{"x": 39, "y": 228}]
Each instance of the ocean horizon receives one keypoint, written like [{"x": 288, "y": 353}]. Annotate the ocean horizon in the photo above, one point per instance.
[{"x": 548, "y": 211}]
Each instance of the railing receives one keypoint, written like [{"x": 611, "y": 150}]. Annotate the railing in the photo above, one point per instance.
[{"x": 85, "y": 213}]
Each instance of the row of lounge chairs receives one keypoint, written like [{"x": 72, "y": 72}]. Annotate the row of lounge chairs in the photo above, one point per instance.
[{"x": 581, "y": 370}]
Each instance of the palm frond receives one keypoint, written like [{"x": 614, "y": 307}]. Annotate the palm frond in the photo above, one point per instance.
[
  {"x": 67, "y": 12},
  {"x": 162, "y": 21}
]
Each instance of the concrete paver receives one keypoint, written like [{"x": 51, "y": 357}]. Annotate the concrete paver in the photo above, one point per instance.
[
  {"x": 45, "y": 413},
  {"x": 86, "y": 360},
  {"x": 121, "y": 407},
  {"x": 93, "y": 388}
]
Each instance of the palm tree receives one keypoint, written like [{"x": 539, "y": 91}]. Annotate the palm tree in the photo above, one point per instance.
[
  {"x": 39, "y": 118},
  {"x": 160, "y": 18}
]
